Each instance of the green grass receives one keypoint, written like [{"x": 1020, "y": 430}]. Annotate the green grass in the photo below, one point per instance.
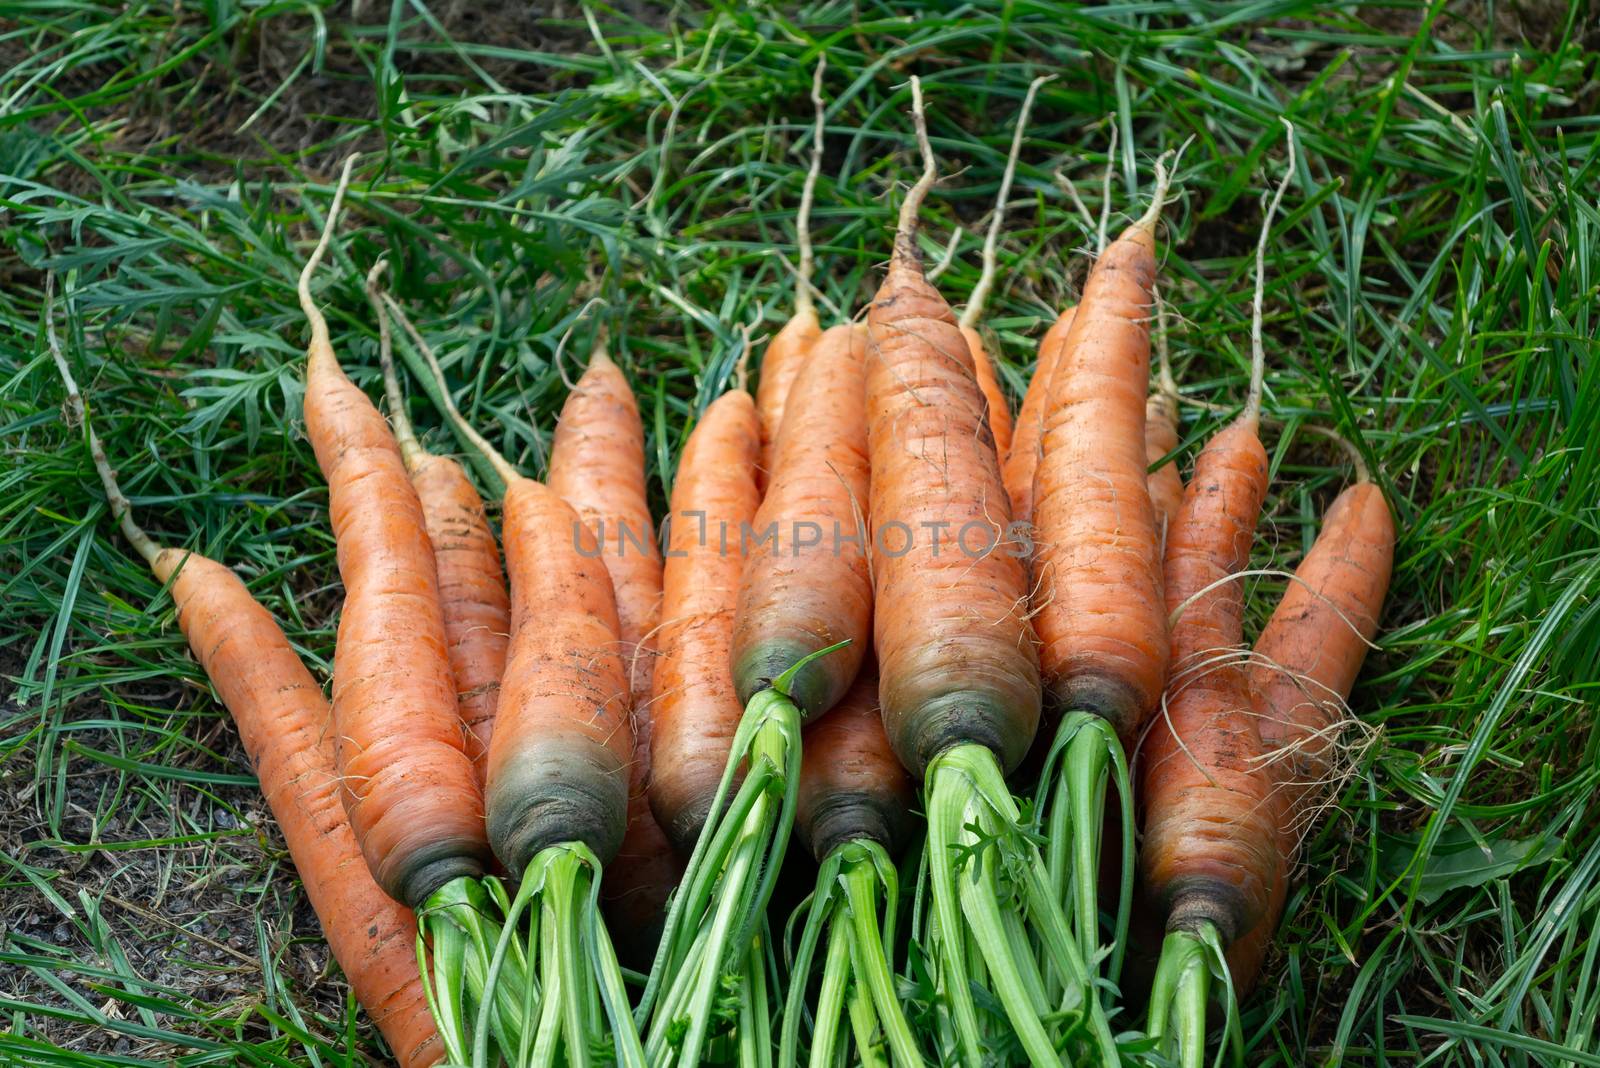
[{"x": 1432, "y": 293}]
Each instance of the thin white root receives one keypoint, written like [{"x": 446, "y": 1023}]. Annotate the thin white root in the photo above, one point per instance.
[
  {"x": 1258, "y": 352},
  {"x": 121, "y": 510},
  {"x": 1164, "y": 380},
  {"x": 501, "y": 465},
  {"x": 741, "y": 369},
  {"x": 946, "y": 258},
  {"x": 1066, "y": 186},
  {"x": 803, "y": 299},
  {"x": 1183, "y": 607},
  {"x": 404, "y": 435},
  {"x": 1358, "y": 461},
  {"x": 991, "y": 240},
  {"x": 905, "y": 241},
  {"x": 1158, "y": 200},
  {"x": 1105, "y": 188},
  {"x": 1321, "y": 758},
  {"x": 319, "y": 325}
]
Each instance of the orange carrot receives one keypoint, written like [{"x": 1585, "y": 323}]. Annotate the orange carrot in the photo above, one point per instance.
[
  {"x": 959, "y": 677},
  {"x": 409, "y": 785},
  {"x": 851, "y": 784},
  {"x": 1097, "y": 575},
  {"x": 704, "y": 741},
  {"x": 283, "y": 722},
  {"x": 803, "y": 589},
  {"x": 1211, "y": 858},
  {"x": 808, "y": 585},
  {"x": 1097, "y": 565},
  {"x": 787, "y": 351},
  {"x": 1028, "y": 437},
  {"x": 1161, "y": 432},
  {"x": 983, "y": 365},
  {"x": 935, "y": 476},
  {"x": 597, "y": 466},
  {"x": 1305, "y": 665},
  {"x": 563, "y": 741},
  {"x": 696, "y": 710},
  {"x": 472, "y": 587},
  {"x": 1209, "y": 843},
  {"x": 557, "y": 795}
]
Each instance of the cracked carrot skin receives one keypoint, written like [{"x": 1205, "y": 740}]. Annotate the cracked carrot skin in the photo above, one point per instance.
[
  {"x": 955, "y": 654},
  {"x": 695, "y": 706},
  {"x": 597, "y": 465},
  {"x": 472, "y": 593},
  {"x": 284, "y": 724},
  {"x": 1307, "y": 660},
  {"x": 409, "y": 785},
  {"x": 1211, "y": 839},
  {"x": 993, "y": 393},
  {"x": 1020, "y": 461},
  {"x": 1097, "y": 561},
  {"x": 810, "y": 586},
  {"x": 563, "y": 740},
  {"x": 780, "y": 366}
]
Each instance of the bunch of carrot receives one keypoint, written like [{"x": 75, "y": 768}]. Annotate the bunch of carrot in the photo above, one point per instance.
[{"x": 874, "y": 578}]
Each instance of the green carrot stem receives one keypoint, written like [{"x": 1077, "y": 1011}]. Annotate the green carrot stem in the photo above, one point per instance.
[
  {"x": 728, "y": 882},
  {"x": 980, "y": 856},
  {"x": 831, "y": 1004},
  {"x": 579, "y": 1002},
  {"x": 1181, "y": 992},
  {"x": 871, "y": 943},
  {"x": 863, "y": 1025},
  {"x": 1085, "y": 758},
  {"x": 456, "y": 929}
]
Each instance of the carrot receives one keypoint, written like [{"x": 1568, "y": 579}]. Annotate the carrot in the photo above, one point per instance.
[
  {"x": 283, "y": 723},
  {"x": 854, "y": 814},
  {"x": 704, "y": 741},
  {"x": 1097, "y": 573},
  {"x": 1161, "y": 431},
  {"x": 994, "y": 395},
  {"x": 472, "y": 586},
  {"x": 557, "y": 782},
  {"x": 959, "y": 678},
  {"x": 408, "y": 783},
  {"x": 597, "y": 466},
  {"x": 1022, "y": 460},
  {"x": 787, "y": 351},
  {"x": 695, "y": 709},
  {"x": 1303, "y": 668},
  {"x": 806, "y": 584},
  {"x": 1210, "y": 856}
]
